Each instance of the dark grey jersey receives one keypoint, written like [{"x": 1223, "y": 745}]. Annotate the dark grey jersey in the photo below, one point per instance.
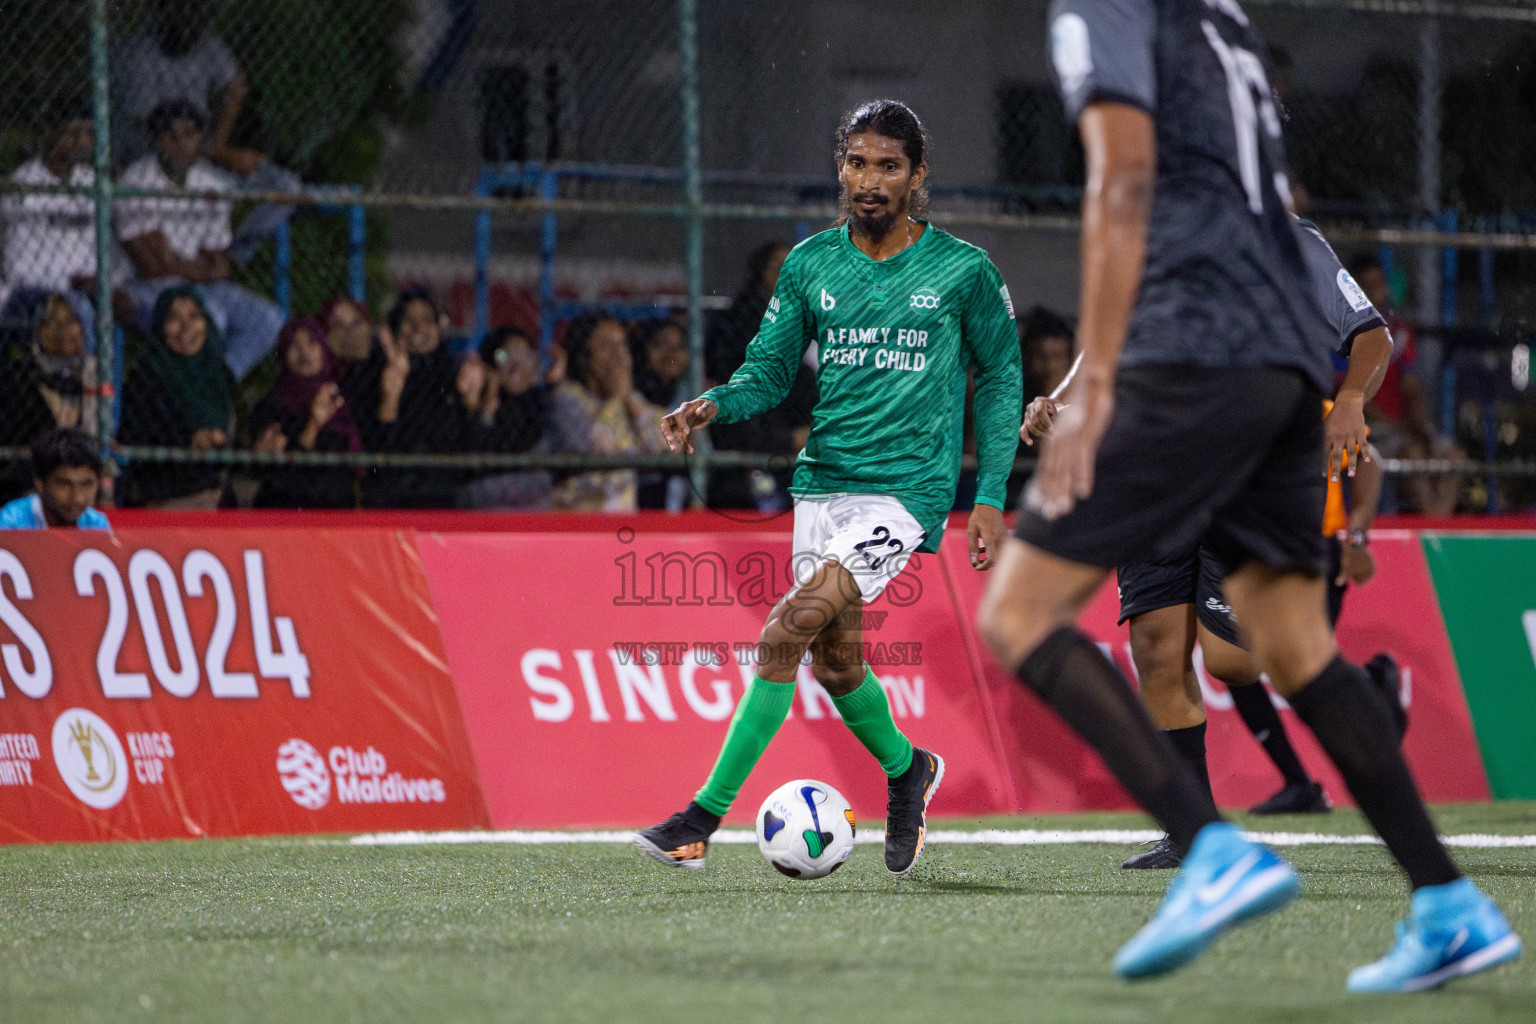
[
  {"x": 1344, "y": 303},
  {"x": 1225, "y": 283}
]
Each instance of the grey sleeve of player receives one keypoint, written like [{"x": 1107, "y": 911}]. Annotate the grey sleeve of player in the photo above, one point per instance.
[
  {"x": 1103, "y": 50},
  {"x": 1344, "y": 301}
]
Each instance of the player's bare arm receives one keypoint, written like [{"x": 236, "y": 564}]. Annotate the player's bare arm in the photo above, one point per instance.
[
  {"x": 1356, "y": 563},
  {"x": 1120, "y": 146},
  {"x": 678, "y": 425},
  {"x": 1042, "y": 411},
  {"x": 1344, "y": 426}
]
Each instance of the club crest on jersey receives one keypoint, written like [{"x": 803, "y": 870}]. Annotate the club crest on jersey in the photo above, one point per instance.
[
  {"x": 827, "y": 301},
  {"x": 925, "y": 298}
]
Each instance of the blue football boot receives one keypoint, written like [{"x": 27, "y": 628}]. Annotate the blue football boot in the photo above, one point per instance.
[
  {"x": 1453, "y": 930},
  {"x": 1225, "y": 879}
]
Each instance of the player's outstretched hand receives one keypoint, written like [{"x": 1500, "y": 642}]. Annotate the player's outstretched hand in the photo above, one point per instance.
[
  {"x": 1037, "y": 418},
  {"x": 1344, "y": 434},
  {"x": 987, "y": 535},
  {"x": 1065, "y": 476},
  {"x": 687, "y": 418}
]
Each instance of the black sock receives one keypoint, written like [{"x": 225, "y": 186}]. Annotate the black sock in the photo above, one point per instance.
[
  {"x": 1087, "y": 690},
  {"x": 1189, "y": 742},
  {"x": 1352, "y": 722},
  {"x": 1259, "y": 715}
]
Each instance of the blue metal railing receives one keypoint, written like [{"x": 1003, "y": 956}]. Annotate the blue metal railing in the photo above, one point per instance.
[{"x": 357, "y": 241}]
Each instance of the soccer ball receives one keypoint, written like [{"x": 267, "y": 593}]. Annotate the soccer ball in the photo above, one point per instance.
[{"x": 805, "y": 829}]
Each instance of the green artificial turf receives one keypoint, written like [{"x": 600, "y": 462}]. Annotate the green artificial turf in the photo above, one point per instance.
[{"x": 319, "y": 930}]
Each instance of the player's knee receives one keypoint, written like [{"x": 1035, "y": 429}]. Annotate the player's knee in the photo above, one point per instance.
[
  {"x": 1010, "y": 630},
  {"x": 837, "y": 679},
  {"x": 1292, "y": 659},
  {"x": 1231, "y": 665},
  {"x": 1159, "y": 654}
]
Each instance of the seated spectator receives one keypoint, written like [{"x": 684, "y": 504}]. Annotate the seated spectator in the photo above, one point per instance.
[
  {"x": 779, "y": 431},
  {"x": 178, "y": 395},
  {"x": 518, "y": 412},
  {"x": 348, "y": 330},
  {"x": 661, "y": 364},
  {"x": 1047, "y": 341},
  {"x": 1399, "y": 416},
  {"x": 409, "y": 404},
  {"x": 47, "y": 380},
  {"x": 305, "y": 412},
  {"x": 50, "y": 239},
  {"x": 349, "y": 336},
  {"x": 174, "y": 241},
  {"x": 1048, "y": 346},
  {"x": 66, "y": 476},
  {"x": 178, "y": 58},
  {"x": 616, "y": 416}
]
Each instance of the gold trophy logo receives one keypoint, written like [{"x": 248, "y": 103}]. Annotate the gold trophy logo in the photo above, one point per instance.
[
  {"x": 81, "y": 732},
  {"x": 90, "y": 758},
  {"x": 84, "y": 736}
]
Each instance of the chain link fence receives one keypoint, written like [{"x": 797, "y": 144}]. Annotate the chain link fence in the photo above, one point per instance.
[{"x": 396, "y": 252}]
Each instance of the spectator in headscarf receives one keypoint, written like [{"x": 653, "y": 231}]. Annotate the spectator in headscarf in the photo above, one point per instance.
[
  {"x": 616, "y": 417},
  {"x": 47, "y": 380},
  {"x": 305, "y": 412},
  {"x": 179, "y": 394},
  {"x": 412, "y": 406},
  {"x": 518, "y": 411}
]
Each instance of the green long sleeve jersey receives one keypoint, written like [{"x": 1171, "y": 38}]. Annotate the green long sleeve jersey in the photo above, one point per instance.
[{"x": 895, "y": 339}]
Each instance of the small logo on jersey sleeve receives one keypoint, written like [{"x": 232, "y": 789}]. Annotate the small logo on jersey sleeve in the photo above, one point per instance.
[
  {"x": 771, "y": 314},
  {"x": 1353, "y": 293},
  {"x": 925, "y": 298},
  {"x": 1007, "y": 300},
  {"x": 1070, "y": 52}
]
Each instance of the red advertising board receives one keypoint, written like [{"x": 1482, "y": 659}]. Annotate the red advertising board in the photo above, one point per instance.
[
  {"x": 1396, "y": 612},
  {"x": 598, "y": 674},
  {"x": 165, "y": 683}
]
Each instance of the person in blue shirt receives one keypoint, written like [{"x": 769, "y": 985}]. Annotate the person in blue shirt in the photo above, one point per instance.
[{"x": 66, "y": 469}]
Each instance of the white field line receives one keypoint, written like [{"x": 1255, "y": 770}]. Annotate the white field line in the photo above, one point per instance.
[{"x": 876, "y": 837}]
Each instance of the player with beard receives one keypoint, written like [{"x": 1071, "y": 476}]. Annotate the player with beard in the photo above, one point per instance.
[
  {"x": 1195, "y": 413},
  {"x": 900, "y": 312}
]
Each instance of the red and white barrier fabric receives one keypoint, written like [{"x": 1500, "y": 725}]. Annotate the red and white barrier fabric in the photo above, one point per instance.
[
  {"x": 170, "y": 683},
  {"x": 164, "y": 683}
]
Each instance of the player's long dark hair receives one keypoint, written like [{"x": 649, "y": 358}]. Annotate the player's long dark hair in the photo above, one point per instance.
[{"x": 892, "y": 120}]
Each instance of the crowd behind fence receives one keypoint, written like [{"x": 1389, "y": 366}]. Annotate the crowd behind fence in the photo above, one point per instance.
[{"x": 377, "y": 253}]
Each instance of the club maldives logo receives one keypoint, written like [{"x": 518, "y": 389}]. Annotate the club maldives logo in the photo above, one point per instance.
[
  {"x": 304, "y": 774},
  {"x": 90, "y": 758},
  {"x": 362, "y": 777}
]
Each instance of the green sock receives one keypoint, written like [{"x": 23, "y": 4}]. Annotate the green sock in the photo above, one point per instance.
[
  {"x": 868, "y": 714},
  {"x": 757, "y": 719}
]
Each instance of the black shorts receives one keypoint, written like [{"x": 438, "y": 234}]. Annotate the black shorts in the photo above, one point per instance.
[
  {"x": 1191, "y": 578},
  {"x": 1196, "y": 578},
  {"x": 1231, "y": 455}
]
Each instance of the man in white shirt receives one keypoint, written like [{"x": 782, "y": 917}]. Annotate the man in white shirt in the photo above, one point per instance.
[
  {"x": 50, "y": 239},
  {"x": 171, "y": 241},
  {"x": 176, "y": 55}
]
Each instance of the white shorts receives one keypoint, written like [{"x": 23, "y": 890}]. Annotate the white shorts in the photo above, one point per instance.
[{"x": 870, "y": 535}]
